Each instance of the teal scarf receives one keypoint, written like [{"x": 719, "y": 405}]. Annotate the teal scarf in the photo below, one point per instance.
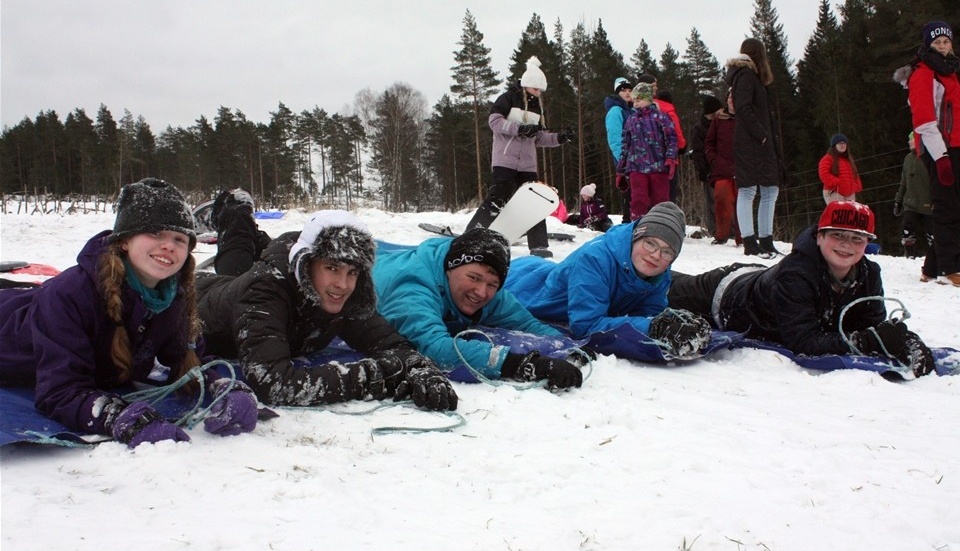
[{"x": 157, "y": 300}]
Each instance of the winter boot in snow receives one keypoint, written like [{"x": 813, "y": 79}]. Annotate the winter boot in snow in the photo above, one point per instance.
[
  {"x": 766, "y": 245},
  {"x": 752, "y": 248}
]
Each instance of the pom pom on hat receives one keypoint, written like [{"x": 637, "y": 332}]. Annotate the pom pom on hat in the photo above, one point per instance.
[
  {"x": 837, "y": 138},
  {"x": 150, "y": 206},
  {"x": 481, "y": 246},
  {"x": 665, "y": 220},
  {"x": 934, "y": 30},
  {"x": 533, "y": 77},
  {"x": 849, "y": 216},
  {"x": 589, "y": 190}
]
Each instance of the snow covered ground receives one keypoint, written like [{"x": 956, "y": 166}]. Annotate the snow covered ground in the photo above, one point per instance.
[{"x": 743, "y": 450}]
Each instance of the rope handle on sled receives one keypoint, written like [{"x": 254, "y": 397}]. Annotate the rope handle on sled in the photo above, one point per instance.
[{"x": 901, "y": 311}]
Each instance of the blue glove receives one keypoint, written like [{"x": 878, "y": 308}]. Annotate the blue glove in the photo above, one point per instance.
[
  {"x": 235, "y": 412},
  {"x": 139, "y": 423}
]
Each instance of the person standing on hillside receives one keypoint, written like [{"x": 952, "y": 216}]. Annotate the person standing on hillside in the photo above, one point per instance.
[
  {"x": 649, "y": 157},
  {"x": 838, "y": 172},
  {"x": 619, "y": 107},
  {"x": 711, "y": 107},
  {"x": 664, "y": 101},
  {"x": 719, "y": 153},
  {"x": 519, "y": 128},
  {"x": 933, "y": 88},
  {"x": 757, "y": 163},
  {"x": 913, "y": 203}
]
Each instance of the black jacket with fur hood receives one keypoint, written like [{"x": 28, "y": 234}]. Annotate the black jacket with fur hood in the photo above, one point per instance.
[
  {"x": 271, "y": 314},
  {"x": 756, "y": 158}
]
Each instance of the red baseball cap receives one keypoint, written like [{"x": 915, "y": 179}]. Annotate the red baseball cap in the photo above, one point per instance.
[{"x": 848, "y": 216}]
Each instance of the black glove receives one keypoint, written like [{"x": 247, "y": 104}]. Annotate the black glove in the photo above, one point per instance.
[
  {"x": 534, "y": 367},
  {"x": 890, "y": 335},
  {"x": 680, "y": 333},
  {"x": 898, "y": 209},
  {"x": 917, "y": 356},
  {"x": 528, "y": 130},
  {"x": 566, "y": 135},
  {"x": 426, "y": 385},
  {"x": 580, "y": 357},
  {"x": 363, "y": 378}
]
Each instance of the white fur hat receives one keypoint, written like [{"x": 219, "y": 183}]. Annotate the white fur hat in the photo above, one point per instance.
[{"x": 533, "y": 77}]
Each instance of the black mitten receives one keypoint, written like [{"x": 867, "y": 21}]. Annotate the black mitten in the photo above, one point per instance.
[
  {"x": 566, "y": 135},
  {"x": 679, "y": 332},
  {"x": 426, "y": 385},
  {"x": 885, "y": 339},
  {"x": 528, "y": 130},
  {"x": 535, "y": 367},
  {"x": 917, "y": 355}
]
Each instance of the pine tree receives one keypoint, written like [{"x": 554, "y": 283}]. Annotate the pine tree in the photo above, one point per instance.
[
  {"x": 643, "y": 63},
  {"x": 703, "y": 69},
  {"x": 475, "y": 82}
]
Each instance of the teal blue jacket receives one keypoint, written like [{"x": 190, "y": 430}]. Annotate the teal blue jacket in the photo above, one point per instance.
[{"x": 414, "y": 296}]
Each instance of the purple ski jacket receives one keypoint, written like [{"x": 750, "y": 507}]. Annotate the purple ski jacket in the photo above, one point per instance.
[
  {"x": 509, "y": 150},
  {"x": 58, "y": 337}
]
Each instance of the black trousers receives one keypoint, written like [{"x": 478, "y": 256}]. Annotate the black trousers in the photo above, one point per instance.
[
  {"x": 944, "y": 256},
  {"x": 694, "y": 293},
  {"x": 505, "y": 183}
]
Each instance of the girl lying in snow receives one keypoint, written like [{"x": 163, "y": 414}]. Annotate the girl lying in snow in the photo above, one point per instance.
[{"x": 126, "y": 310}]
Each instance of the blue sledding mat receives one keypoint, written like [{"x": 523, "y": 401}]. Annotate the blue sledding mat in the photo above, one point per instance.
[
  {"x": 947, "y": 361},
  {"x": 21, "y": 422},
  {"x": 268, "y": 215},
  {"x": 627, "y": 343}
]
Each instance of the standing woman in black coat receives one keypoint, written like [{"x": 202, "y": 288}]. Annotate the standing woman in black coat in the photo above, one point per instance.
[{"x": 756, "y": 158}]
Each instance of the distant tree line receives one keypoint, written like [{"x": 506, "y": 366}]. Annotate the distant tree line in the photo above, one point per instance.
[{"x": 423, "y": 158}]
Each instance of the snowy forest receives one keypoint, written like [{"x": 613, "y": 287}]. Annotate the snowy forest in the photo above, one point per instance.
[{"x": 393, "y": 148}]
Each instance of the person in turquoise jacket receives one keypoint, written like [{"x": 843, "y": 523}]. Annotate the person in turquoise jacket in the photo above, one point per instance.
[
  {"x": 619, "y": 278},
  {"x": 434, "y": 291}
]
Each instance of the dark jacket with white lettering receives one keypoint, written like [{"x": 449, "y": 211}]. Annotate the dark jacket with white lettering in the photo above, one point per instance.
[{"x": 796, "y": 302}]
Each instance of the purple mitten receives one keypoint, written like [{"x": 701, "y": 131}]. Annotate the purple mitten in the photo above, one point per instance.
[
  {"x": 139, "y": 423},
  {"x": 235, "y": 412}
]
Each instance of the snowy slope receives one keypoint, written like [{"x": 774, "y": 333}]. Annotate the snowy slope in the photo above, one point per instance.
[{"x": 743, "y": 450}]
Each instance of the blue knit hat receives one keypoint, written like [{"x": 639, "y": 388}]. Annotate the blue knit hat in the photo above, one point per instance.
[{"x": 837, "y": 138}]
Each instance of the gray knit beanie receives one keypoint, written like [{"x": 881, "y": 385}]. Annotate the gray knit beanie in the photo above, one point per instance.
[
  {"x": 152, "y": 205},
  {"x": 666, "y": 221}
]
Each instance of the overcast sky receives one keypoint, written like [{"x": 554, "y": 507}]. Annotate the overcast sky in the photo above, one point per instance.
[{"x": 174, "y": 60}]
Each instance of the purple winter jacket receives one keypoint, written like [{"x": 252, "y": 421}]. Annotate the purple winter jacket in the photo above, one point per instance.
[
  {"x": 649, "y": 141},
  {"x": 509, "y": 150},
  {"x": 58, "y": 336}
]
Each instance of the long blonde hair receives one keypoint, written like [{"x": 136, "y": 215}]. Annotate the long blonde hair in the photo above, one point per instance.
[{"x": 111, "y": 273}]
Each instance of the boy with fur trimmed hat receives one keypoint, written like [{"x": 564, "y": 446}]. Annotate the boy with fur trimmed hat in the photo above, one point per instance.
[
  {"x": 797, "y": 302},
  {"x": 307, "y": 288},
  {"x": 619, "y": 278},
  {"x": 443, "y": 286}
]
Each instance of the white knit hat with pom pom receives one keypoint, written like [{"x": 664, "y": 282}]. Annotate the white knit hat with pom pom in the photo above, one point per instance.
[{"x": 533, "y": 77}]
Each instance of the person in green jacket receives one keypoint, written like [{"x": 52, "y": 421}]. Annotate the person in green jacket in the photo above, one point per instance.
[{"x": 913, "y": 203}]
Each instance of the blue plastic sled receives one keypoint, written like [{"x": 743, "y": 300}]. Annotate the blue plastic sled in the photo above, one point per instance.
[
  {"x": 947, "y": 360},
  {"x": 268, "y": 215},
  {"x": 628, "y": 343},
  {"x": 21, "y": 422}
]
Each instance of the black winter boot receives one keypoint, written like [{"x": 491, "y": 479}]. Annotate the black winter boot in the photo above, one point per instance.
[
  {"x": 766, "y": 245},
  {"x": 752, "y": 248}
]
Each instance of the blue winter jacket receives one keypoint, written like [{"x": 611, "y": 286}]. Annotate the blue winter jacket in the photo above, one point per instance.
[
  {"x": 594, "y": 289},
  {"x": 59, "y": 336},
  {"x": 649, "y": 141},
  {"x": 414, "y": 295},
  {"x": 617, "y": 112}
]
